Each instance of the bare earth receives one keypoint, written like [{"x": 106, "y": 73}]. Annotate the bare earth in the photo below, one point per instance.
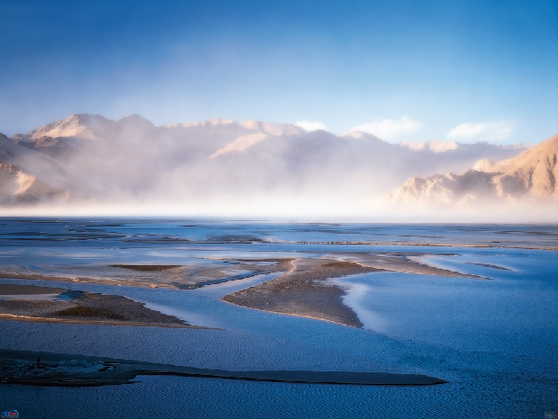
[
  {"x": 190, "y": 276},
  {"x": 302, "y": 289},
  {"x": 48, "y": 369},
  {"x": 78, "y": 307}
]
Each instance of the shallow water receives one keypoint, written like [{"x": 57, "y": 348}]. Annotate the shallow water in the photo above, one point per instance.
[{"x": 495, "y": 340}]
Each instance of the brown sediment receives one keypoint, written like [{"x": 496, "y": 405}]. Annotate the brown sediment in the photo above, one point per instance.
[
  {"x": 489, "y": 265},
  {"x": 189, "y": 276},
  {"x": 48, "y": 369},
  {"x": 17, "y": 289},
  {"x": 302, "y": 291},
  {"x": 200, "y": 274},
  {"x": 405, "y": 263},
  {"x": 146, "y": 268},
  {"x": 14, "y": 274},
  {"x": 35, "y": 319},
  {"x": 87, "y": 308},
  {"x": 426, "y": 244}
]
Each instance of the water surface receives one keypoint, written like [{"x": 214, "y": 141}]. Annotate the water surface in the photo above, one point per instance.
[{"x": 494, "y": 340}]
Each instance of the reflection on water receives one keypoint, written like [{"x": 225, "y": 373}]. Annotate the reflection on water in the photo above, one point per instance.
[{"x": 358, "y": 297}]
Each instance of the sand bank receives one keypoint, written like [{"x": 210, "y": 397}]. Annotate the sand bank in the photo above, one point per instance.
[
  {"x": 66, "y": 306},
  {"x": 304, "y": 291},
  {"x": 23, "y": 367},
  {"x": 301, "y": 290},
  {"x": 210, "y": 271},
  {"x": 189, "y": 276},
  {"x": 430, "y": 244}
]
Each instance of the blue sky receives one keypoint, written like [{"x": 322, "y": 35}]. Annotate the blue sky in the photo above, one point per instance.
[{"x": 402, "y": 69}]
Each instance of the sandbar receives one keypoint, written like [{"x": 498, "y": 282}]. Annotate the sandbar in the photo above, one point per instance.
[
  {"x": 305, "y": 292},
  {"x": 50, "y": 369},
  {"x": 179, "y": 277},
  {"x": 21, "y": 303},
  {"x": 302, "y": 291}
]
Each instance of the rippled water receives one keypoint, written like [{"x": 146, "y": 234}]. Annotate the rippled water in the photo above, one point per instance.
[{"x": 495, "y": 340}]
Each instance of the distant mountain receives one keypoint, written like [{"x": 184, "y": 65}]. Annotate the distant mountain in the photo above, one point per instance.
[
  {"x": 531, "y": 177},
  {"x": 19, "y": 175},
  {"x": 67, "y": 135},
  {"x": 223, "y": 162},
  {"x": 28, "y": 175},
  {"x": 80, "y": 126}
]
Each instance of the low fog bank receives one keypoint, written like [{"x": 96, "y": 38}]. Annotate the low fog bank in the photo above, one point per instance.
[{"x": 299, "y": 209}]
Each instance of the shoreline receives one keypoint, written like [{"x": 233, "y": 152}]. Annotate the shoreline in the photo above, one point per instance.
[
  {"x": 69, "y": 370},
  {"x": 30, "y": 303},
  {"x": 33, "y": 319},
  {"x": 301, "y": 289},
  {"x": 417, "y": 244},
  {"x": 304, "y": 291},
  {"x": 174, "y": 277}
]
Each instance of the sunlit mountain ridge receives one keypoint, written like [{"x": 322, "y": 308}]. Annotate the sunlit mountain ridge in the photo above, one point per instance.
[{"x": 530, "y": 177}]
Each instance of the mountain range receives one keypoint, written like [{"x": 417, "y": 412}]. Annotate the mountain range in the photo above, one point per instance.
[
  {"x": 218, "y": 164},
  {"x": 530, "y": 177}
]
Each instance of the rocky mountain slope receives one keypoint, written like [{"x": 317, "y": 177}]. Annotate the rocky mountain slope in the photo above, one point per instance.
[
  {"x": 19, "y": 182},
  {"x": 30, "y": 176},
  {"x": 531, "y": 176}
]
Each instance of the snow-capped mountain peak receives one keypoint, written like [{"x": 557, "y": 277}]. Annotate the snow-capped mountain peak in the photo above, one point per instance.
[{"x": 84, "y": 126}]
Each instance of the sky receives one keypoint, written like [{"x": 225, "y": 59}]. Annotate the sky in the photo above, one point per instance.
[{"x": 404, "y": 70}]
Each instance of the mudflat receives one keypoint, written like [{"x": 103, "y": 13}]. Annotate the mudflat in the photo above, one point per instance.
[
  {"x": 301, "y": 289},
  {"x": 50, "y": 369},
  {"x": 304, "y": 290},
  {"x": 45, "y": 304}
]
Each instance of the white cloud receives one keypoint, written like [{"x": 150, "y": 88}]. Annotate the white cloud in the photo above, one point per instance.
[
  {"x": 388, "y": 129},
  {"x": 310, "y": 125},
  {"x": 489, "y": 130}
]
